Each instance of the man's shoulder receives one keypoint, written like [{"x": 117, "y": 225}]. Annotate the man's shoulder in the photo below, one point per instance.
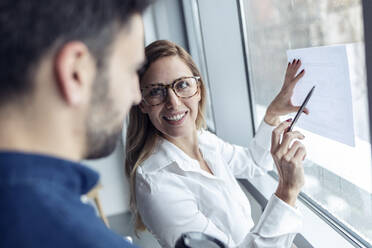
[{"x": 33, "y": 217}]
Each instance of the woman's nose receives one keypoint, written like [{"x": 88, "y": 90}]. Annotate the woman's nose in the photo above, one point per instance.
[{"x": 172, "y": 99}]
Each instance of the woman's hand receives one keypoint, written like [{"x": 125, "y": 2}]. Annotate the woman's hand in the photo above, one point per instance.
[
  {"x": 282, "y": 105},
  {"x": 288, "y": 155}
]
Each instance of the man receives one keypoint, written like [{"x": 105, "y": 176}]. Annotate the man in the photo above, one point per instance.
[{"x": 68, "y": 78}]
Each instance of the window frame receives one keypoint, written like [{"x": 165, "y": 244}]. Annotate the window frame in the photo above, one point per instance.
[
  {"x": 351, "y": 236},
  {"x": 231, "y": 23}
]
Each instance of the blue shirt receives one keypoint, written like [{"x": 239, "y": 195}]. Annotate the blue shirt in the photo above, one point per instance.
[{"x": 40, "y": 204}]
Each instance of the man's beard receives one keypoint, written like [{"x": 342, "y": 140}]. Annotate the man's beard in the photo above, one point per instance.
[
  {"x": 101, "y": 144},
  {"x": 100, "y": 140}
]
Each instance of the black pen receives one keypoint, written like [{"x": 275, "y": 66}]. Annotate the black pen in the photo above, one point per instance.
[{"x": 299, "y": 112}]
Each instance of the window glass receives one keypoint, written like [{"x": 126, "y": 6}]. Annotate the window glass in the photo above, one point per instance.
[{"x": 338, "y": 177}]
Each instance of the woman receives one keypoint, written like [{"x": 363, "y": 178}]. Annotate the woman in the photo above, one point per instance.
[{"x": 183, "y": 177}]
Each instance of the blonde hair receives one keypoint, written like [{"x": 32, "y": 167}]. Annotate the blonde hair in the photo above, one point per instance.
[{"x": 141, "y": 134}]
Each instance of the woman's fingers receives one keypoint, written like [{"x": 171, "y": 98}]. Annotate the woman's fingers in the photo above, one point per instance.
[
  {"x": 306, "y": 111},
  {"x": 282, "y": 104},
  {"x": 297, "y": 65},
  {"x": 298, "y": 77},
  {"x": 296, "y": 108},
  {"x": 300, "y": 154},
  {"x": 292, "y": 69},
  {"x": 289, "y": 72},
  {"x": 292, "y": 151},
  {"x": 277, "y": 133},
  {"x": 287, "y": 140}
]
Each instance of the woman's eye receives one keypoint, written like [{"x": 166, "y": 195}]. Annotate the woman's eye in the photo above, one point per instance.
[
  {"x": 156, "y": 92},
  {"x": 183, "y": 85}
]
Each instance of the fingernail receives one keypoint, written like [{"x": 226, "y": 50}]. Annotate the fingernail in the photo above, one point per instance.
[
  {"x": 289, "y": 120},
  {"x": 293, "y": 61},
  {"x": 302, "y": 70}
]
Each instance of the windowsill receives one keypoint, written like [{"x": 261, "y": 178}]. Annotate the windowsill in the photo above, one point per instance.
[{"x": 315, "y": 231}]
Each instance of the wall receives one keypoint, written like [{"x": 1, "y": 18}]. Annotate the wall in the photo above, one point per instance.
[{"x": 163, "y": 20}]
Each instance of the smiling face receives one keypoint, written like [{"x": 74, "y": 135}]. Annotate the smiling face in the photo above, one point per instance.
[{"x": 176, "y": 116}]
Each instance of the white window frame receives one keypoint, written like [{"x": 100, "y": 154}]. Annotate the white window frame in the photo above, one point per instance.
[{"x": 224, "y": 49}]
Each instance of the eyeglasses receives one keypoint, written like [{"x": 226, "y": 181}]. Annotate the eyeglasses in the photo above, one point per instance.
[{"x": 184, "y": 87}]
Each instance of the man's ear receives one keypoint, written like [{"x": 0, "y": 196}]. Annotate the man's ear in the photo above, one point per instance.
[{"x": 74, "y": 68}]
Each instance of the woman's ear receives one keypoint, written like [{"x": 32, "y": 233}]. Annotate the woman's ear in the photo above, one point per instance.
[
  {"x": 143, "y": 107},
  {"x": 199, "y": 93}
]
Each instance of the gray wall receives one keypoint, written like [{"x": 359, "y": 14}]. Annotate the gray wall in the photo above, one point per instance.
[{"x": 163, "y": 20}]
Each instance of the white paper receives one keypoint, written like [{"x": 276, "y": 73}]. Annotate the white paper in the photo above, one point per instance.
[{"x": 331, "y": 112}]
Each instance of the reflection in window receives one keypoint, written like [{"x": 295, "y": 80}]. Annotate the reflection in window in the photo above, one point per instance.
[{"x": 338, "y": 177}]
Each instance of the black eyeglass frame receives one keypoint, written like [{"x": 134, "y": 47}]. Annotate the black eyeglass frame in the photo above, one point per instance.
[{"x": 171, "y": 85}]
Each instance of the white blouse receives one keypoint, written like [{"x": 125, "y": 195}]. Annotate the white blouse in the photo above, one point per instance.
[{"x": 174, "y": 195}]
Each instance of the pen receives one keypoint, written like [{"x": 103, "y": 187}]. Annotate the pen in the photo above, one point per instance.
[{"x": 299, "y": 112}]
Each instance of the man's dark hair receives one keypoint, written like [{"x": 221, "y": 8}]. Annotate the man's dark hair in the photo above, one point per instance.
[{"x": 30, "y": 28}]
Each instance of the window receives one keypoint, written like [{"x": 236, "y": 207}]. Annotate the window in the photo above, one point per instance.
[{"x": 338, "y": 177}]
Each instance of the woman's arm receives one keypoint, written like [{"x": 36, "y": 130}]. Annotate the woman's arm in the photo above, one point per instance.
[
  {"x": 276, "y": 228},
  {"x": 281, "y": 221},
  {"x": 169, "y": 209},
  {"x": 240, "y": 159},
  {"x": 288, "y": 154}
]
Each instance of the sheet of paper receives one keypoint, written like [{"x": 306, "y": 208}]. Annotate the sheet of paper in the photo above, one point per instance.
[{"x": 331, "y": 112}]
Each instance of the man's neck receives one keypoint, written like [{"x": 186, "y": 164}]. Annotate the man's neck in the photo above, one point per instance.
[{"x": 19, "y": 132}]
